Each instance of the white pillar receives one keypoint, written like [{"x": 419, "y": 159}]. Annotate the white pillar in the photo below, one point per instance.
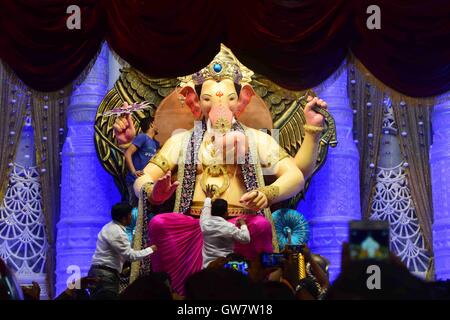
[
  {"x": 87, "y": 190},
  {"x": 440, "y": 184},
  {"x": 333, "y": 197}
]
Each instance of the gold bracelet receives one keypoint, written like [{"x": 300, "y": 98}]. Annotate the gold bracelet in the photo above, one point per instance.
[
  {"x": 271, "y": 192},
  {"x": 312, "y": 129}
]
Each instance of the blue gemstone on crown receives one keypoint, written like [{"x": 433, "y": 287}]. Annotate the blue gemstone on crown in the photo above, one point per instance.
[{"x": 217, "y": 67}]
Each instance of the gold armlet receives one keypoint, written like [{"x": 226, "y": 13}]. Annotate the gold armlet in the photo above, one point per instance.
[
  {"x": 160, "y": 161},
  {"x": 271, "y": 192},
  {"x": 312, "y": 129}
]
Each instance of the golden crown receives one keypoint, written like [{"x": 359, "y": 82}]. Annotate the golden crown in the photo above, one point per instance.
[
  {"x": 224, "y": 66},
  {"x": 218, "y": 70}
]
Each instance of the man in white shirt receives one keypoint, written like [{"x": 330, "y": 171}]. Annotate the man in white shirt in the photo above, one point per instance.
[
  {"x": 218, "y": 233},
  {"x": 113, "y": 249}
]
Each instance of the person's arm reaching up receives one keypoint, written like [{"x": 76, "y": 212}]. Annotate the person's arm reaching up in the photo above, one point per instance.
[
  {"x": 241, "y": 234},
  {"x": 122, "y": 246},
  {"x": 206, "y": 211}
]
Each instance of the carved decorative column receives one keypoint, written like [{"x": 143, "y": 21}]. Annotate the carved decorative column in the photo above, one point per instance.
[
  {"x": 333, "y": 197},
  {"x": 87, "y": 190},
  {"x": 440, "y": 178}
]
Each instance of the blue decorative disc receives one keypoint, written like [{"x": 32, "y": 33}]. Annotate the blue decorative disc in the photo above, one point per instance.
[
  {"x": 289, "y": 221},
  {"x": 217, "y": 67}
]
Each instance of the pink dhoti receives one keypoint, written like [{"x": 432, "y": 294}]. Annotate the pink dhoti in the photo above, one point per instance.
[{"x": 179, "y": 241}]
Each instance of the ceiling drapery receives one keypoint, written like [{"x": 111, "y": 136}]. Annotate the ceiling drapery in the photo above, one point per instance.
[{"x": 297, "y": 44}]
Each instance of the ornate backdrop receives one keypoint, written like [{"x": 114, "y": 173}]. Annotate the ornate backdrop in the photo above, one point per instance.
[{"x": 296, "y": 44}]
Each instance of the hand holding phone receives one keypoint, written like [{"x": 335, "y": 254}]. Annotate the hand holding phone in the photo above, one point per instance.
[
  {"x": 241, "y": 266},
  {"x": 272, "y": 260}
]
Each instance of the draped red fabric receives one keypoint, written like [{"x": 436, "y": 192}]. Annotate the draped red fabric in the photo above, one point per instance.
[
  {"x": 297, "y": 44},
  {"x": 166, "y": 38},
  {"x": 411, "y": 51},
  {"x": 38, "y": 46}
]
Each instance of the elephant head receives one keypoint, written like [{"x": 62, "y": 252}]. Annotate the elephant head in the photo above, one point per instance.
[{"x": 220, "y": 102}]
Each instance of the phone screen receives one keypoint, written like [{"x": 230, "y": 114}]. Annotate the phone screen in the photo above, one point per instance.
[
  {"x": 240, "y": 266},
  {"x": 369, "y": 240},
  {"x": 271, "y": 260}
]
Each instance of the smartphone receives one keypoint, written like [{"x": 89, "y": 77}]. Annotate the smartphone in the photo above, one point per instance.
[
  {"x": 272, "y": 260},
  {"x": 298, "y": 248},
  {"x": 369, "y": 240},
  {"x": 241, "y": 266}
]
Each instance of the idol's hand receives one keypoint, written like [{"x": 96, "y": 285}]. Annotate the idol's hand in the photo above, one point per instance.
[
  {"x": 312, "y": 117},
  {"x": 163, "y": 189},
  {"x": 254, "y": 200},
  {"x": 124, "y": 129}
]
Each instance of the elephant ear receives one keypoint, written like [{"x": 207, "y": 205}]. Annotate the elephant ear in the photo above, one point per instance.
[
  {"x": 172, "y": 116},
  {"x": 191, "y": 99},
  {"x": 246, "y": 94},
  {"x": 256, "y": 114}
]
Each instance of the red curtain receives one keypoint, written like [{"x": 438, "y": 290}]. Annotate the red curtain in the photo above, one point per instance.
[
  {"x": 297, "y": 44},
  {"x": 411, "y": 51},
  {"x": 165, "y": 38},
  {"x": 38, "y": 46}
]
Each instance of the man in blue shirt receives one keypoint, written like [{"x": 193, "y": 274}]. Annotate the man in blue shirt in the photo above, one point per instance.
[{"x": 138, "y": 154}]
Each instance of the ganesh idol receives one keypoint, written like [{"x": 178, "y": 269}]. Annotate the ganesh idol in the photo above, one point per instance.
[{"x": 224, "y": 154}]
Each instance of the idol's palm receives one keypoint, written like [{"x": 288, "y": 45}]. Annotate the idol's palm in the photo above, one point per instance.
[{"x": 164, "y": 188}]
